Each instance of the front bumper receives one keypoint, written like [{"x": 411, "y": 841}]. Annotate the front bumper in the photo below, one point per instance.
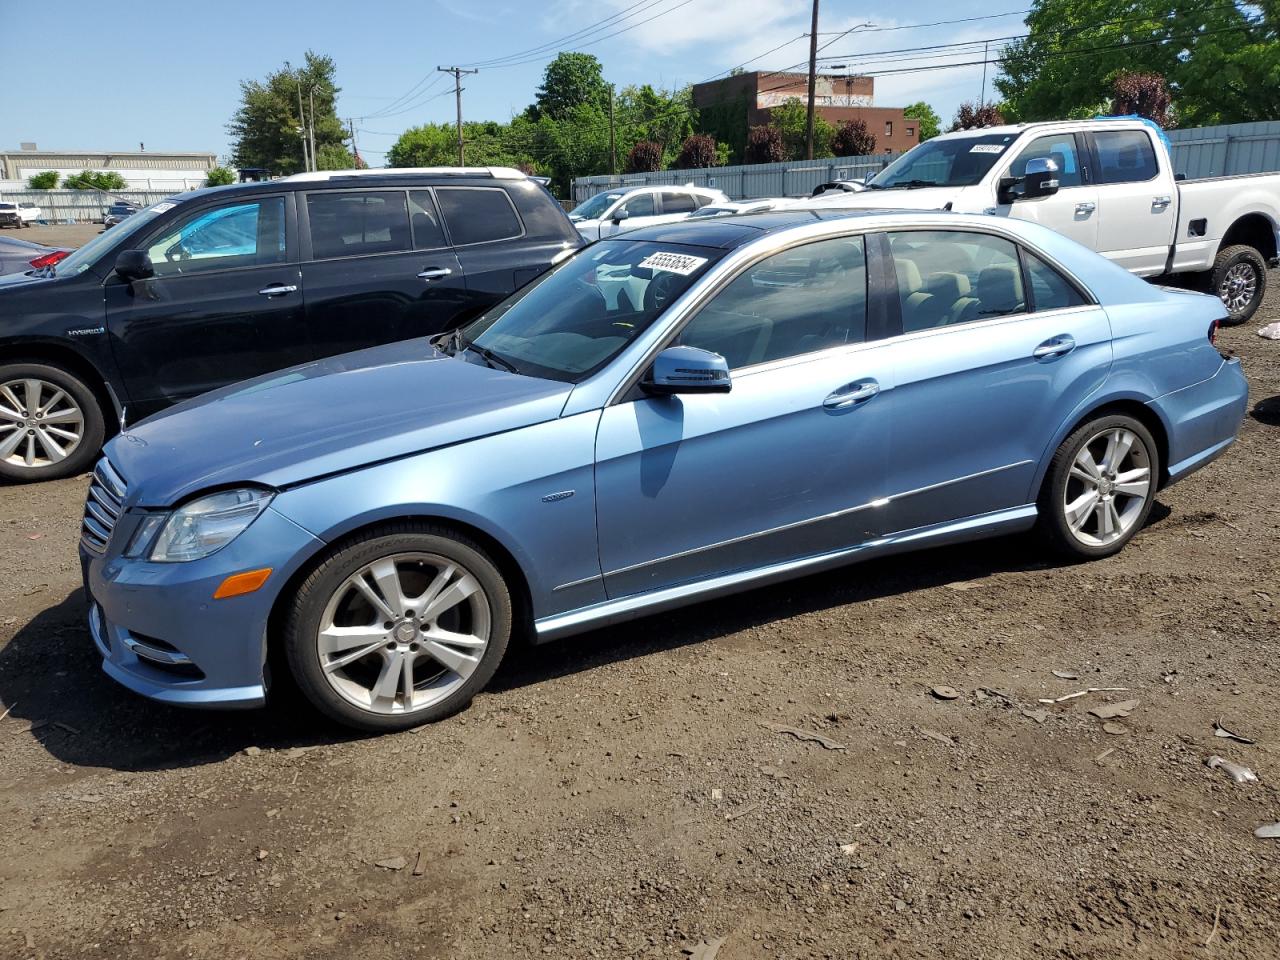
[
  {"x": 1204, "y": 418},
  {"x": 161, "y": 633}
]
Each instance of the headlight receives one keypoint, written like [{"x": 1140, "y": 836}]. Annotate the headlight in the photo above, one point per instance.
[{"x": 199, "y": 528}]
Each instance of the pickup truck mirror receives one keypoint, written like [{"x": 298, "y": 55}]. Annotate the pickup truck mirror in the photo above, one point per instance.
[
  {"x": 134, "y": 265},
  {"x": 1039, "y": 180}
]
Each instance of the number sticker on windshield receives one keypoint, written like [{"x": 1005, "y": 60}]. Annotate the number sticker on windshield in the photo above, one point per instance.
[
  {"x": 680, "y": 263},
  {"x": 163, "y": 207},
  {"x": 987, "y": 148}
]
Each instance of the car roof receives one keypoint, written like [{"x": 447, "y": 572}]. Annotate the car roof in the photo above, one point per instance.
[{"x": 738, "y": 229}]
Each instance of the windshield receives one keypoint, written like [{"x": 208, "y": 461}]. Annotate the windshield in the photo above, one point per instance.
[
  {"x": 573, "y": 320},
  {"x": 79, "y": 260},
  {"x": 944, "y": 162},
  {"x": 594, "y": 208}
]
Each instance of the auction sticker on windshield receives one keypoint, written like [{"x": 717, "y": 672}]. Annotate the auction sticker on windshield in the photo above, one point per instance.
[
  {"x": 163, "y": 207},
  {"x": 987, "y": 148},
  {"x": 681, "y": 263}
]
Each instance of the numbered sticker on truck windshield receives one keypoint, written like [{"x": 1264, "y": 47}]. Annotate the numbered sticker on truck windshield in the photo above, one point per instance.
[
  {"x": 987, "y": 148},
  {"x": 680, "y": 263}
]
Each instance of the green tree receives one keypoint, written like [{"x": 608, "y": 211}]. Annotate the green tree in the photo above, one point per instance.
[
  {"x": 697, "y": 152},
  {"x": 266, "y": 130},
  {"x": 853, "y": 139},
  {"x": 929, "y": 124},
  {"x": 644, "y": 157},
  {"x": 95, "y": 180},
  {"x": 44, "y": 181},
  {"x": 569, "y": 81},
  {"x": 334, "y": 156},
  {"x": 219, "y": 177},
  {"x": 1221, "y": 60},
  {"x": 664, "y": 117},
  {"x": 789, "y": 119},
  {"x": 436, "y": 145}
]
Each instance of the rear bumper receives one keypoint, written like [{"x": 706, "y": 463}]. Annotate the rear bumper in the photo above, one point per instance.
[{"x": 1204, "y": 418}]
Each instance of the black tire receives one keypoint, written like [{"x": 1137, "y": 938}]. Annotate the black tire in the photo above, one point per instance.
[
  {"x": 1061, "y": 485},
  {"x": 93, "y": 431},
  {"x": 1239, "y": 262},
  {"x": 308, "y": 608}
]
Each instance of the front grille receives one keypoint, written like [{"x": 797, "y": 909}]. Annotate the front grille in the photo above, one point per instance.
[{"x": 103, "y": 506}]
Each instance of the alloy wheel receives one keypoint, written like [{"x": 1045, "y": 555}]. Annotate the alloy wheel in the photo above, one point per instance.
[
  {"x": 40, "y": 423},
  {"x": 1238, "y": 287},
  {"x": 403, "y": 633},
  {"x": 1108, "y": 487}
]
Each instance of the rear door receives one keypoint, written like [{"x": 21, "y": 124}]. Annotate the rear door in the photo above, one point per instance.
[
  {"x": 1073, "y": 210},
  {"x": 225, "y": 303},
  {"x": 495, "y": 250},
  {"x": 1136, "y": 221},
  {"x": 377, "y": 269}
]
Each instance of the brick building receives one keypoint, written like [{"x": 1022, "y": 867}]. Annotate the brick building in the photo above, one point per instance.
[{"x": 837, "y": 98}]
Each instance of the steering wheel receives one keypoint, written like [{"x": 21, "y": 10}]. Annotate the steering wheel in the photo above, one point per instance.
[{"x": 660, "y": 291}]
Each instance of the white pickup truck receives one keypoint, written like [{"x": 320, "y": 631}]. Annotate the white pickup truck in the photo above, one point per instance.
[
  {"x": 18, "y": 214},
  {"x": 1107, "y": 184}
]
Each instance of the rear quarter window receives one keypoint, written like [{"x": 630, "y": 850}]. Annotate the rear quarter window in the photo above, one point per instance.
[
  {"x": 478, "y": 214},
  {"x": 542, "y": 215}
]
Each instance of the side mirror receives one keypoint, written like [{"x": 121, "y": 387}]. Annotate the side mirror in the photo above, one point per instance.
[
  {"x": 620, "y": 215},
  {"x": 687, "y": 370},
  {"x": 1041, "y": 178},
  {"x": 134, "y": 265}
]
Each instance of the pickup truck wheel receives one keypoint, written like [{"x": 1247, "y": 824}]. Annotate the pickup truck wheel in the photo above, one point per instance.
[
  {"x": 1239, "y": 278},
  {"x": 51, "y": 425}
]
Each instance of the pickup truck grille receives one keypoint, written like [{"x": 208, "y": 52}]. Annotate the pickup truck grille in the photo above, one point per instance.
[{"x": 103, "y": 506}]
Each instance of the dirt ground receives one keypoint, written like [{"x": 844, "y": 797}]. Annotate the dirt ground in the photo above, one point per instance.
[{"x": 622, "y": 794}]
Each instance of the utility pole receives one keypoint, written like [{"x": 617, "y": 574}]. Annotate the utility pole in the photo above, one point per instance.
[
  {"x": 813, "y": 83},
  {"x": 457, "y": 93},
  {"x": 613, "y": 148},
  {"x": 302, "y": 119},
  {"x": 311, "y": 98},
  {"x": 982, "y": 98},
  {"x": 355, "y": 153}
]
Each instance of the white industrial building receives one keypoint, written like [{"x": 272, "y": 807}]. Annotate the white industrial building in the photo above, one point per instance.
[{"x": 141, "y": 169}]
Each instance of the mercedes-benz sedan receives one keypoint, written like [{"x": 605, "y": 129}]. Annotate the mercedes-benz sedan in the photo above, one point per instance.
[{"x": 687, "y": 411}]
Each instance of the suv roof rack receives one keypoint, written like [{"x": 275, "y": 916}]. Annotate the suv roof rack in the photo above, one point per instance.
[{"x": 497, "y": 173}]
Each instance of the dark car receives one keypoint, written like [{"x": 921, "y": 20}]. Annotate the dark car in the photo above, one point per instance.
[
  {"x": 222, "y": 284},
  {"x": 118, "y": 211},
  {"x": 19, "y": 256}
]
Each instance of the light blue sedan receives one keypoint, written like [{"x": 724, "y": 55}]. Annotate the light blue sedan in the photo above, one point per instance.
[{"x": 683, "y": 412}]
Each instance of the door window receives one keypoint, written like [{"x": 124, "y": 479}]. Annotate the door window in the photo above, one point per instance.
[
  {"x": 1125, "y": 156},
  {"x": 677, "y": 201},
  {"x": 948, "y": 277},
  {"x": 1058, "y": 147},
  {"x": 357, "y": 224},
  {"x": 237, "y": 235},
  {"x": 795, "y": 302},
  {"x": 1050, "y": 290},
  {"x": 478, "y": 214},
  {"x": 425, "y": 221},
  {"x": 641, "y": 205}
]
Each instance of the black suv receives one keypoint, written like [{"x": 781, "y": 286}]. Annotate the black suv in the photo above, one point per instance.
[{"x": 219, "y": 285}]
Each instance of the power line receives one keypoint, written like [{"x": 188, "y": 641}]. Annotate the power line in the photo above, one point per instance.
[
  {"x": 577, "y": 34},
  {"x": 941, "y": 23}
]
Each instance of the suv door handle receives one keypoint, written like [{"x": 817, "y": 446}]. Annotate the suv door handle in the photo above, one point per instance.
[
  {"x": 1086, "y": 207},
  {"x": 278, "y": 289},
  {"x": 1054, "y": 347},
  {"x": 434, "y": 273},
  {"x": 851, "y": 394},
  {"x": 1160, "y": 202}
]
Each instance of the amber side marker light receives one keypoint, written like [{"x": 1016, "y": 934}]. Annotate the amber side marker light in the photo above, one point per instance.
[{"x": 239, "y": 584}]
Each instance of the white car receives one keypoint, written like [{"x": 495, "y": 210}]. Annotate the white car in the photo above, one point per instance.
[
  {"x": 628, "y": 208},
  {"x": 18, "y": 214},
  {"x": 732, "y": 208},
  {"x": 1109, "y": 185}
]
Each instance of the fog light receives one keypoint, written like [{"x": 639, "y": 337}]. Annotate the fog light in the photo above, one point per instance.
[{"x": 239, "y": 584}]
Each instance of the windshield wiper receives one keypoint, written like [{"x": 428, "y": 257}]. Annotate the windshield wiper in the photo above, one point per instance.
[
  {"x": 912, "y": 184},
  {"x": 491, "y": 358}
]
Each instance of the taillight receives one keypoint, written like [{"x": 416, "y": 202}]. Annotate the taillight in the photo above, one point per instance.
[
  {"x": 1213, "y": 333},
  {"x": 49, "y": 259}
]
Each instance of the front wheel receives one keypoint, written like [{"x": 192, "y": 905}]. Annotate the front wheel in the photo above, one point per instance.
[
  {"x": 1100, "y": 487},
  {"x": 51, "y": 424},
  {"x": 401, "y": 627},
  {"x": 1239, "y": 279}
]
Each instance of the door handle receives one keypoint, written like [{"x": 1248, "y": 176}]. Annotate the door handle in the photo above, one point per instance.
[
  {"x": 1054, "y": 348},
  {"x": 434, "y": 273},
  {"x": 851, "y": 395},
  {"x": 278, "y": 289},
  {"x": 1086, "y": 208},
  {"x": 1159, "y": 203}
]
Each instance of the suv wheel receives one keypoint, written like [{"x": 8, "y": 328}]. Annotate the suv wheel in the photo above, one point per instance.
[
  {"x": 1239, "y": 278},
  {"x": 51, "y": 424},
  {"x": 401, "y": 627}
]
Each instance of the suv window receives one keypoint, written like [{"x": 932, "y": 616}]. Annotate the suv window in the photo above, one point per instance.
[
  {"x": 641, "y": 205},
  {"x": 425, "y": 220},
  {"x": 1058, "y": 147},
  {"x": 677, "y": 201},
  {"x": 1125, "y": 156},
  {"x": 1050, "y": 290},
  {"x": 478, "y": 214},
  {"x": 947, "y": 277},
  {"x": 237, "y": 235},
  {"x": 801, "y": 300},
  {"x": 357, "y": 224}
]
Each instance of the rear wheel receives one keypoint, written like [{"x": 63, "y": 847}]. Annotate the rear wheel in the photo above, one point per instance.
[
  {"x": 1239, "y": 279},
  {"x": 51, "y": 424},
  {"x": 1100, "y": 487}
]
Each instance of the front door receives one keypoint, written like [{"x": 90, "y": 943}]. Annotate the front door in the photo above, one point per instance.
[
  {"x": 377, "y": 269},
  {"x": 641, "y": 211},
  {"x": 1073, "y": 210},
  {"x": 1135, "y": 201},
  {"x": 787, "y": 465},
  {"x": 225, "y": 304}
]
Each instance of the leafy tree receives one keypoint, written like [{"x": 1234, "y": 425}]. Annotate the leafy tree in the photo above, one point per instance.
[
  {"x": 436, "y": 145},
  {"x": 790, "y": 122},
  {"x": 726, "y": 119},
  {"x": 664, "y": 117},
  {"x": 697, "y": 151},
  {"x": 334, "y": 156},
  {"x": 95, "y": 180},
  {"x": 970, "y": 116},
  {"x": 44, "y": 181},
  {"x": 569, "y": 81},
  {"x": 853, "y": 139},
  {"x": 1144, "y": 94},
  {"x": 1221, "y": 60},
  {"x": 645, "y": 157},
  {"x": 929, "y": 124},
  {"x": 764, "y": 145},
  {"x": 266, "y": 130},
  {"x": 219, "y": 177}
]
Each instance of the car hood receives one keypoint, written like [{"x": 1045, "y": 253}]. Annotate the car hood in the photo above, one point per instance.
[
  {"x": 325, "y": 417},
  {"x": 10, "y": 280},
  {"x": 921, "y": 198}
]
